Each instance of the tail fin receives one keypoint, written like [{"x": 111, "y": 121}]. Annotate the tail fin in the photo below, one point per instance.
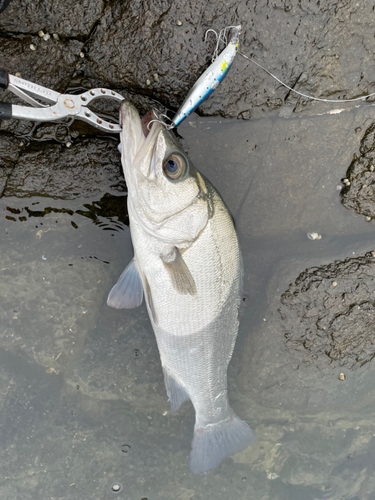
[{"x": 213, "y": 443}]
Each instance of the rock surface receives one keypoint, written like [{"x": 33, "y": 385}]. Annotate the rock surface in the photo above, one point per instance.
[
  {"x": 152, "y": 52},
  {"x": 85, "y": 169},
  {"x": 358, "y": 195},
  {"x": 328, "y": 313},
  {"x": 143, "y": 39},
  {"x": 67, "y": 19}
]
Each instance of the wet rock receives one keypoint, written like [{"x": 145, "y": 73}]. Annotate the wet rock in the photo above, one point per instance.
[
  {"x": 9, "y": 152},
  {"x": 10, "y": 148},
  {"x": 288, "y": 41},
  {"x": 51, "y": 65},
  {"x": 87, "y": 168},
  {"x": 304, "y": 334},
  {"x": 4, "y": 174},
  {"x": 358, "y": 194},
  {"x": 68, "y": 18},
  {"x": 134, "y": 41},
  {"x": 137, "y": 40},
  {"x": 328, "y": 314}
]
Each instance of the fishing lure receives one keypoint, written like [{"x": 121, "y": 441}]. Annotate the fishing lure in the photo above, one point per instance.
[{"x": 210, "y": 79}]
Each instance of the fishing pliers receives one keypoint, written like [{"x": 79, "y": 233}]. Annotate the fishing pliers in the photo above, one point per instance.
[{"x": 58, "y": 105}]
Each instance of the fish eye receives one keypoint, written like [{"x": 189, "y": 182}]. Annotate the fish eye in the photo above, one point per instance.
[{"x": 174, "y": 166}]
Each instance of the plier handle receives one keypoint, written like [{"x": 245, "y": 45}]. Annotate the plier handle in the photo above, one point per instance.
[{"x": 58, "y": 105}]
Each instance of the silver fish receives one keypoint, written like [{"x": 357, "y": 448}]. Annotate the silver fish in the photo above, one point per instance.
[{"x": 187, "y": 265}]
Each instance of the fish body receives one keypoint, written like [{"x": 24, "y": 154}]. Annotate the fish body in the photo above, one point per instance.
[{"x": 187, "y": 264}]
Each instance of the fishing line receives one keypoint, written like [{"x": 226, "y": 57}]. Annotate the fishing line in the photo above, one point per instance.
[
  {"x": 212, "y": 78},
  {"x": 300, "y": 93},
  {"x": 222, "y": 37}
]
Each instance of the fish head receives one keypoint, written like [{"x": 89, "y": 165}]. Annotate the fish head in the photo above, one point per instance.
[{"x": 168, "y": 197}]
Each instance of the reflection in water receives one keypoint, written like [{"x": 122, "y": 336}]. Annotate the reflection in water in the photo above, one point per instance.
[{"x": 110, "y": 213}]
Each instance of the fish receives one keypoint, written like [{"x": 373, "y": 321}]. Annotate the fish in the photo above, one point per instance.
[{"x": 187, "y": 266}]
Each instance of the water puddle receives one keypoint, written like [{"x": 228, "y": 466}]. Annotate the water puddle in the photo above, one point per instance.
[{"x": 81, "y": 385}]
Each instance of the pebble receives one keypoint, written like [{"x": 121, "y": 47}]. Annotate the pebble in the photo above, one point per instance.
[
  {"x": 41, "y": 33},
  {"x": 156, "y": 78},
  {"x": 334, "y": 283},
  {"x": 32, "y": 47},
  {"x": 371, "y": 168},
  {"x": 46, "y": 37},
  {"x": 342, "y": 377},
  {"x": 314, "y": 236},
  {"x": 68, "y": 144},
  {"x": 346, "y": 182},
  {"x": 56, "y": 36},
  {"x": 148, "y": 82},
  {"x": 368, "y": 219},
  {"x": 178, "y": 22},
  {"x": 272, "y": 475},
  {"x": 18, "y": 74},
  {"x": 81, "y": 54}
]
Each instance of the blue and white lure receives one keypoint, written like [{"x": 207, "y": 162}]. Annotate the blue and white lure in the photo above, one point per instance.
[{"x": 211, "y": 78}]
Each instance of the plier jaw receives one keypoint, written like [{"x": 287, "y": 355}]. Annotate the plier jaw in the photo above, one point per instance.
[{"x": 58, "y": 105}]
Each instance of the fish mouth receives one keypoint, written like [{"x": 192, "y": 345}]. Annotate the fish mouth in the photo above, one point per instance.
[
  {"x": 138, "y": 138},
  {"x": 146, "y": 120}
]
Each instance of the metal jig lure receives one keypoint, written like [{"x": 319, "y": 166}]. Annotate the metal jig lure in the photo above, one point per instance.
[{"x": 211, "y": 78}]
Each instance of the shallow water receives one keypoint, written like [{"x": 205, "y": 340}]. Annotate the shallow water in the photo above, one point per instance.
[{"x": 82, "y": 398}]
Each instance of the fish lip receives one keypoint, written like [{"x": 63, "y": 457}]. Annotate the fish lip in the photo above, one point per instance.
[
  {"x": 138, "y": 138},
  {"x": 147, "y": 119}
]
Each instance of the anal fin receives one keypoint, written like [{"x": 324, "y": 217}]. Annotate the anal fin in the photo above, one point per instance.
[{"x": 176, "y": 393}]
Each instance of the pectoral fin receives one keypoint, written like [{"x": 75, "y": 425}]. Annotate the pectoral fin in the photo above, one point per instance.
[
  {"x": 128, "y": 291},
  {"x": 182, "y": 280}
]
